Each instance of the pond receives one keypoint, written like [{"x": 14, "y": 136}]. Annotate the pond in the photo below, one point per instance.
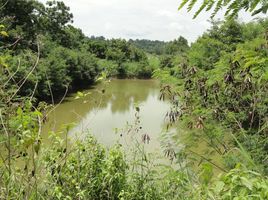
[{"x": 109, "y": 112}]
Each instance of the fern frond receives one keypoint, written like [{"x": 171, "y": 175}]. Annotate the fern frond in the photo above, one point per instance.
[
  {"x": 205, "y": 3},
  {"x": 217, "y": 8},
  {"x": 262, "y": 9},
  {"x": 254, "y": 4},
  {"x": 191, "y": 5},
  {"x": 234, "y": 8},
  {"x": 183, "y": 4},
  {"x": 245, "y": 5},
  {"x": 226, "y": 2},
  {"x": 229, "y": 8},
  {"x": 210, "y": 4}
]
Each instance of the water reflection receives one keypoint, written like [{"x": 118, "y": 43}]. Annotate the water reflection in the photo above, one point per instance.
[
  {"x": 124, "y": 92},
  {"x": 111, "y": 106}
]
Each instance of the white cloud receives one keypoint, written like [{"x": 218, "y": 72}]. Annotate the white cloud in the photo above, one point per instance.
[
  {"x": 148, "y": 19},
  {"x": 166, "y": 13}
]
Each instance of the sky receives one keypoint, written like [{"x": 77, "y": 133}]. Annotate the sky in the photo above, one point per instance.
[{"x": 139, "y": 19}]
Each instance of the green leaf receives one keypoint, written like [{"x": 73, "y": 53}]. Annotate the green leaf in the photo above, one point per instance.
[
  {"x": 99, "y": 79},
  {"x": 200, "y": 9},
  {"x": 247, "y": 183},
  {"x": 219, "y": 186},
  {"x": 4, "y": 33},
  {"x": 183, "y": 4},
  {"x": 217, "y": 8},
  {"x": 254, "y": 4},
  {"x": 79, "y": 95},
  {"x": 191, "y": 5}
]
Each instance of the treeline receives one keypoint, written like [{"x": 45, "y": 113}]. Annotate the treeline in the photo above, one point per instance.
[
  {"x": 43, "y": 46},
  {"x": 222, "y": 84},
  {"x": 153, "y": 47},
  {"x": 168, "y": 53},
  {"x": 160, "y": 47}
]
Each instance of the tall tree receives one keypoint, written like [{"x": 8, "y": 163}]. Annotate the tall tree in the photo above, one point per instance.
[{"x": 28, "y": 18}]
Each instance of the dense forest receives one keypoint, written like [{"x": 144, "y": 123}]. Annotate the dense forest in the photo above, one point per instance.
[
  {"x": 67, "y": 59},
  {"x": 217, "y": 86}
]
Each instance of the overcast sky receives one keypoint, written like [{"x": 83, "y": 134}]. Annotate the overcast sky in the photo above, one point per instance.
[{"x": 142, "y": 19}]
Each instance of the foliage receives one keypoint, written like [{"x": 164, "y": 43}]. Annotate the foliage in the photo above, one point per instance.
[
  {"x": 177, "y": 46},
  {"x": 152, "y": 47},
  {"x": 232, "y": 6},
  {"x": 27, "y": 19},
  {"x": 222, "y": 37},
  {"x": 205, "y": 52},
  {"x": 87, "y": 172},
  {"x": 222, "y": 93},
  {"x": 239, "y": 183},
  {"x": 166, "y": 61}
]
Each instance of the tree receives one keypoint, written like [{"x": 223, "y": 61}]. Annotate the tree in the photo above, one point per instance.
[
  {"x": 54, "y": 18},
  {"x": 228, "y": 32},
  {"x": 166, "y": 61},
  {"x": 29, "y": 18},
  {"x": 72, "y": 37},
  {"x": 97, "y": 47},
  {"x": 179, "y": 45},
  {"x": 232, "y": 6},
  {"x": 205, "y": 52},
  {"x": 153, "y": 47},
  {"x": 222, "y": 37},
  {"x": 21, "y": 17}
]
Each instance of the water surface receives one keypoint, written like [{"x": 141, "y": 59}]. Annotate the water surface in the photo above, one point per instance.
[{"x": 109, "y": 112}]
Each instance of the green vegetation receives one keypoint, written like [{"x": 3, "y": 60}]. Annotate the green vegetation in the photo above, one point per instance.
[
  {"x": 152, "y": 47},
  {"x": 218, "y": 89},
  {"x": 222, "y": 86},
  {"x": 67, "y": 59},
  {"x": 232, "y": 6}
]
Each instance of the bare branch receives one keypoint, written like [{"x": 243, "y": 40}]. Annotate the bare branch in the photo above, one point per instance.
[
  {"x": 12, "y": 76},
  {"x": 4, "y": 5},
  {"x": 32, "y": 70},
  {"x": 66, "y": 91},
  {"x": 10, "y": 45}
]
